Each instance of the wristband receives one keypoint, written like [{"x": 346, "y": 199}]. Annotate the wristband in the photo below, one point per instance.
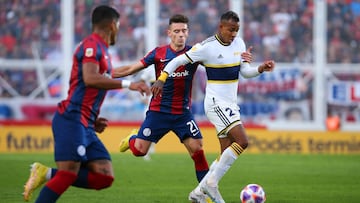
[
  {"x": 163, "y": 76},
  {"x": 125, "y": 83}
]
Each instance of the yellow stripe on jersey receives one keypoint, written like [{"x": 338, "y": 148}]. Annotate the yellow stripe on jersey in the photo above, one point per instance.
[
  {"x": 222, "y": 65},
  {"x": 221, "y": 42},
  {"x": 222, "y": 81}
]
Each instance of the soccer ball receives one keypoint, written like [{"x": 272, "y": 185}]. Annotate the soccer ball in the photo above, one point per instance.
[{"x": 252, "y": 193}]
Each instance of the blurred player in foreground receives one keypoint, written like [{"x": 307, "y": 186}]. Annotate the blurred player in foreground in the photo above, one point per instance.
[
  {"x": 221, "y": 56},
  {"x": 81, "y": 158}
]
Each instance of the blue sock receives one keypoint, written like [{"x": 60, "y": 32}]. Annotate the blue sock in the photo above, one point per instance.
[
  {"x": 82, "y": 179},
  {"x": 47, "y": 196}
]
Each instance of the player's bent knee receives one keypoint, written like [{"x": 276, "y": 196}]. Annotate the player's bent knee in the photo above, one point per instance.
[{"x": 244, "y": 145}]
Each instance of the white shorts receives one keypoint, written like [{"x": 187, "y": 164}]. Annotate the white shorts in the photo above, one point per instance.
[{"x": 224, "y": 116}]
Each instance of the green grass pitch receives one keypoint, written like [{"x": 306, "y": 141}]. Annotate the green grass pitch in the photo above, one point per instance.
[{"x": 168, "y": 178}]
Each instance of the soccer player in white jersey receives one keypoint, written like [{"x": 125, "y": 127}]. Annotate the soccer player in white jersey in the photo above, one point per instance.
[{"x": 221, "y": 56}]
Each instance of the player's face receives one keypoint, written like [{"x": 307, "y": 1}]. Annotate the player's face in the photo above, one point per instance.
[
  {"x": 114, "y": 31},
  {"x": 178, "y": 33},
  {"x": 228, "y": 31}
]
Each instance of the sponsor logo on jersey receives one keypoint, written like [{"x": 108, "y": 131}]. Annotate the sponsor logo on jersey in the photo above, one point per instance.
[
  {"x": 164, "y": 60},
  {"x": 179, "y": 74}
]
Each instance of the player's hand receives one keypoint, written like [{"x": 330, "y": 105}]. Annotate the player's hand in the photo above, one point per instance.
[
  {"x": 247, "y": 56},
  {"x": 267, "y": 66},
  {"x": 157, "y": 87},
  {"x": 100, "y": 124},
  {"x": 141, "y": 87}
]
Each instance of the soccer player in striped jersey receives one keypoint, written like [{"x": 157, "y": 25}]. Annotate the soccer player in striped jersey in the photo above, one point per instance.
[
  {"x": 171, "y": 110},
  {"x": 81, "y": 158},
  {"x": 221, "y": 56}
]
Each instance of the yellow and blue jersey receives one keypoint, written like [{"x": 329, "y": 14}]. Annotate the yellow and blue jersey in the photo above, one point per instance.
[{"x": 222, "y": 62}]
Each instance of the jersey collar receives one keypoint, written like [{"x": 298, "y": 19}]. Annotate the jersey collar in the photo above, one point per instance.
[
  {"x": 100, "y": 39},
  {"x": 221, "y": 42}
]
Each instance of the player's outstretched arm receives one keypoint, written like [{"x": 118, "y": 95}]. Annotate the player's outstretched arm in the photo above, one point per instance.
[
  {"x": 127, "y": 70},
  {"x": 248, "y": 72}
]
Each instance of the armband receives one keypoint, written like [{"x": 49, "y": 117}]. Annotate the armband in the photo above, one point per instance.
[
  {"x": 125, "y": 83},
  {"x": 163, "y": 76}
]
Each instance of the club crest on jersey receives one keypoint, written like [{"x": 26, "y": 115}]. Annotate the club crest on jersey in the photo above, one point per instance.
[{"x": 89, "y": 52}]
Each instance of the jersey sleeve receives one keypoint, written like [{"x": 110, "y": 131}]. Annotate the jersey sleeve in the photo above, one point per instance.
[
  {"x": 149, "y": 58},
  {"x": 90, "y": 52},
  {"x": 198, "y": 53},
  {"x": 242, "y": 47}
]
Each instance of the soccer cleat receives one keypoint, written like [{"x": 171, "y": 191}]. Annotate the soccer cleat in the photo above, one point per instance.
[
  {"x": 36, "y": 179},
  {"x": 213, "y": 193},
  {"x": 124, "y": 144},
  {"x": 199, "y": 198},
  {"x": 196, "y": 198}
]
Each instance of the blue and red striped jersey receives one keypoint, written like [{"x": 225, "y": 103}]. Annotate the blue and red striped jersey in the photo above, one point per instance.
[
  {"x": 83, "y": 103},
  {"x": 176, "y": 96}
]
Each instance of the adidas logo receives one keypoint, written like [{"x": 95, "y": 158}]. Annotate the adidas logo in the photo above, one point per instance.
[{"x": 220, "y": 56}]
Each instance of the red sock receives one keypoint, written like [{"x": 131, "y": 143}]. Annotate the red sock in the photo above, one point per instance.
[
  {"x": 200, "y": 161},
  {"x": 99, "y": 181},
  {"x": 201, "y": 165},
  {"x": 61, "y": 181},
  {"x": 135, "y": 151}
]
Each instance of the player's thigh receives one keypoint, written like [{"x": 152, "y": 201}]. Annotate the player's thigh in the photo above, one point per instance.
[
  {"x": 224, "y": 116},
  {"x": 69, "y": 139},
  {"x": 98, "y": 157},
  {"x": 155, "y": 126},
  {"x": 185, "y": 127}
]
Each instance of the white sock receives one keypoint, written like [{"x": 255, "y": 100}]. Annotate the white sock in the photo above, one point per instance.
[
  {"x": 212, "y": 166},
  {"x": 227, "y": 158},
  {"x": 48, "y": 174}
]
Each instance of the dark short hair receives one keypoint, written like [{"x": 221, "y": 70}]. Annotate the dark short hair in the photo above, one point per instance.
[
  {"x": 230, "y": 15},
  {"x": 178, "y": 18},
  {"x": 103, "y": 14}
]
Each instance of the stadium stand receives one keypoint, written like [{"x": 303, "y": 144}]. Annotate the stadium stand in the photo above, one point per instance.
[{"x": 272, "y": 27}]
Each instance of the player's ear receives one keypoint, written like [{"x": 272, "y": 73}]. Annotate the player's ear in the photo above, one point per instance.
[{"x": 115, "y": 25}]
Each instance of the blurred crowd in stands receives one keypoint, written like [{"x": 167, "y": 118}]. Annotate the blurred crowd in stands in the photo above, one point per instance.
[
  {"x": 278, "y": 29},
  {"x": 273, "y": 27}
]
